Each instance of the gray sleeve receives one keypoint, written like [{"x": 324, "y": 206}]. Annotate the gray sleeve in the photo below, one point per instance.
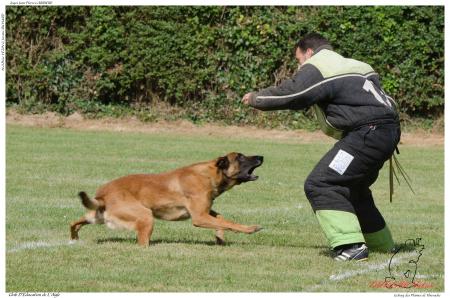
[{"x": 298, "y": 92}]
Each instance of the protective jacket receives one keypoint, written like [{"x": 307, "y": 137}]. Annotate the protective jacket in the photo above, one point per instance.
[
  {"x": 351, "y": 106},
  {"x": 346, "y": 93}
]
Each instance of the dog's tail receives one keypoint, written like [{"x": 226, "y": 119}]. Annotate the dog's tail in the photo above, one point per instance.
[{"x": 89, "y": 203}]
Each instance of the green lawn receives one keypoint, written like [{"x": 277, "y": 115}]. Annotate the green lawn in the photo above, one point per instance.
[{"x": 46, "y": 168}]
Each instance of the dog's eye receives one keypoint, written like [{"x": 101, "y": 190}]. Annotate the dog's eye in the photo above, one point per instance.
[{"x": 241, "y": 157}]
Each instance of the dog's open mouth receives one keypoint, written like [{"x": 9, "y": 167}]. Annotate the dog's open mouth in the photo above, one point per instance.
[
  {"x": 250, "y": 176},
  {"x": 248, "y": 165},
  {"x": 247, "y": 174}
]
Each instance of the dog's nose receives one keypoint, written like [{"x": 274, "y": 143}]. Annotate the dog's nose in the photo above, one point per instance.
[{"x": 260, "y": 158}]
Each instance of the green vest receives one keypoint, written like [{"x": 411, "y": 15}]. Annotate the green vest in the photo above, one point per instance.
[
  {"x": 331, "y": 64},
  {"x": 326, "y": 126}
]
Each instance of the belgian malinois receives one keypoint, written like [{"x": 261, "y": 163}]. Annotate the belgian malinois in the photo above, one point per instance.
[{"x": 133, "y": 201}]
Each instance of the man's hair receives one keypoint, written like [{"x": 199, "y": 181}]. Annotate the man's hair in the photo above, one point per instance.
[{"x": 312, "y": 41}]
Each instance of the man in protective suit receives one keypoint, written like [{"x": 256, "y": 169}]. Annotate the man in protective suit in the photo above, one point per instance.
[{"x": 352, "y": 107}]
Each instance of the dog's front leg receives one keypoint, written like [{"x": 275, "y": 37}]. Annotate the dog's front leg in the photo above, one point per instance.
[
  {"x": 220, "y": 234},
  {"x": 210, "y": 222},
  {"x": 199, "y": 209},
  {"x": 200, "y": 214}
]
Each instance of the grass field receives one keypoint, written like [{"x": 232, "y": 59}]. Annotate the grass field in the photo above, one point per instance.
[{"x": 46, "y": 168}]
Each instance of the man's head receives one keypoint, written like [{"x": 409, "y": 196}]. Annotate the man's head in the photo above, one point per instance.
[{"x": 306, "y": 46}]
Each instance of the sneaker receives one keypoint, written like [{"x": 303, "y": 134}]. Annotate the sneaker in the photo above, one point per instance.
[{"x": 357, "y": 252}]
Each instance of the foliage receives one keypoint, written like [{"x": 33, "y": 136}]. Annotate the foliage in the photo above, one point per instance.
[{"x": 203, "y": 59}]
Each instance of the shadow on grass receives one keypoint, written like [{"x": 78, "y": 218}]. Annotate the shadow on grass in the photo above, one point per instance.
[
  {"x": 154, "y": 242},
  {"x": 116, "y": 240},
  {"x": 132, "y": 240},
  {"x": 325, "y": 251},
  {"x": 407, "y": 246}
]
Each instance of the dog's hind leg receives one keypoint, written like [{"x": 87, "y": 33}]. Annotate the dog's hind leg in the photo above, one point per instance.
[
  {"x": 220, "y": 234},
  {"x": 144, "y": 229},
  {"x": 132, "y": 216},
  {"x": 76, "y": 225}
]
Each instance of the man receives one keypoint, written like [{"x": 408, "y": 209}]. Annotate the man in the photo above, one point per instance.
[{"x": 352, "y": 107}]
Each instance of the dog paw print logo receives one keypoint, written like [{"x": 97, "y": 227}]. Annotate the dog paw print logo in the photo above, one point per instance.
[{"x": 403, "y": 274}]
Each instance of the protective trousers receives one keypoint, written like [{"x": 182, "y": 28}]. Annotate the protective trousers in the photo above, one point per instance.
[{"x": 338, "y": 187}]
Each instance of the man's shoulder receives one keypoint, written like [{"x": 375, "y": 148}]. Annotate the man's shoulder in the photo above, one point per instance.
[{"x": 331, "y": 64}]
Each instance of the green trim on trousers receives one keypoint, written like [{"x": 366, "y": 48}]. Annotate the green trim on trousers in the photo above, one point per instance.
[
  {"x": 340, "y": 227},
  {"x": 380, "y": 241}
]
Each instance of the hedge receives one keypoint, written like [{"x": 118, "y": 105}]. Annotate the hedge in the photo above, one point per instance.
[{"x": 202, "y": 59}]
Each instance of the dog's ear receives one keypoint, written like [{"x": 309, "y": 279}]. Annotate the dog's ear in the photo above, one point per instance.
[{"x": 223, "y": 163}]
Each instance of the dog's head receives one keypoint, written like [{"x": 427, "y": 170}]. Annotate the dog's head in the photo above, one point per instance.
[{"x": 238, "y": 167}]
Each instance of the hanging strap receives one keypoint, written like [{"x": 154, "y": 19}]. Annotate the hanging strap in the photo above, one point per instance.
[
  {"x": 391, "y": 179},
  {"x": 393, "y": 173}
]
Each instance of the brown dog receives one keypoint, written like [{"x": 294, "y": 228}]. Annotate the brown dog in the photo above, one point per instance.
[{"x": 133, "y": 201}]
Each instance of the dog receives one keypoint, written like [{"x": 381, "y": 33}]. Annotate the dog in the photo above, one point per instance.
[{"x": 134, "y": 201}]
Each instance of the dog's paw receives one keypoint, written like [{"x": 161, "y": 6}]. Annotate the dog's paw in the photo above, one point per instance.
[{"x": 254, "y": 229}]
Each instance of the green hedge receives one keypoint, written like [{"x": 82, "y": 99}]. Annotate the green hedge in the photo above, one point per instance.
[{"x": 202, "y": 59}]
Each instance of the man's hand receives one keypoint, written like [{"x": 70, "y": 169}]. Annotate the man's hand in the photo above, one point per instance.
[{"x": 246, "y": 99}]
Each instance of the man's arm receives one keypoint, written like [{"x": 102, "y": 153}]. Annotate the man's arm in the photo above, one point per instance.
[{"x": 299, "y": 92}]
